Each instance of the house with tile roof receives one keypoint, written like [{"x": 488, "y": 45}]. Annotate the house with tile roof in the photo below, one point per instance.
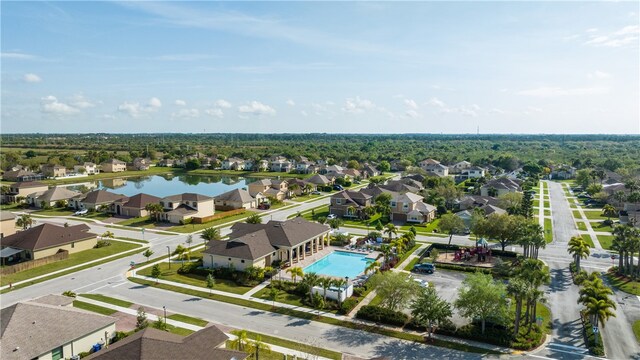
[
  {"x": 409, "y": 207},
  {"x": 349, "y": 203},
  {"x": 113, "y": 165},
  {"x": 54, "y": 171},
  {"x": 277, "y": 189},
  {"x": 233, "y": 163},
  {"x": 152, "y": 344},
  {"x": 95, "y": 200},
  {"x": 89, "y": 168},
  {"x": 181, "y": 207},
  {"x": 21, "y": 175},
  {"x": 260, "y": 245},
  {"x": 133, "y": 206},
  {"x": 51, "y": 196},
  {"x": 46, "y": 240},
  {"x": 459, "y": 167},
  {"x": 237, "y": 199},
  {"x": 48, "y": 329},
  {"x": 22, "y": 189},
  {"x": 500, "y": 186}
]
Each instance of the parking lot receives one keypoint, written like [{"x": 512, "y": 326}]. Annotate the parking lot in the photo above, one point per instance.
[{"x": 447, "y": 284}]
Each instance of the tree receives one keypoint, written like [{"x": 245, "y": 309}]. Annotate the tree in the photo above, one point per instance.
[
  {"x": 372, "y": 267},
  {"x": 505, "y": 228},
  {"x": 141, "y": 319},
  {"x": 579, "y": 249},
  {"x": 519, "y": 289},
  {"x": 189, "y": 241},
  {"x": 429, "y": 309},
  {"x": 593, "y": 189},
  {"x": 259, "y": 346},
  {"x": 626, "y": 242},
  {"x": 254, "y": 219},
  {"x": 600, "y": 311},
  {"x": 311, "y": 279},
  {"x": 480, "y": 297},
  {"x": 511, "y": 202},
  {"x": 384, "y": 166},
  {"x": 383, "y": 204},
  {"x": 108, "y": 235},
  {"x": 241, "y": 341},
  {"x": 154, "y": 210},
  {"x": 156, "y": 272},
  {"x": 335, "y": 223},
  {"x": 295, "y": 272},
  {"x": 25, "y": 221},
  {"x": 159, "y": 324},
  {"x": 583, "y": 178},
  {"x": 211, "y": 282},
  {"x": 353, "y": 164},
  {"x": 147, "y": 253},
  {"x": 451, "y": 224},
  {"x": 395, "y": 289},
  {"x": 192, "y": 164},
  {"x": 325, "y": 283},
  {"x": 211, "y": 234},
  {"x": 182, "y": 253},
  {"x": 449, "y": 193},
  {"x": 340, "y": 283},
  {"x": 273, "y": 295},
  {"x": 390, "y": 230},
  {"x": 609, "y": 211}
]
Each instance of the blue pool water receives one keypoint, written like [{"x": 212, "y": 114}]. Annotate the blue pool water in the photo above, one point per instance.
[{"x": 340, "y": 264}]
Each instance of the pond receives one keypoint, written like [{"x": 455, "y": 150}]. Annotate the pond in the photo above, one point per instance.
[{"x": 169, "y": 184}]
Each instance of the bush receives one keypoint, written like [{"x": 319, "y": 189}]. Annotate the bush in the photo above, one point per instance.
[
  {"x": 186, "y": 221},
  {"x": 468, "y": 268},
  {"x": 119, "y": 336},
  {"x": 382, "y": 315},
  {"x": 84, "y": 354},
  {"x": 359, "y": 291},
  {"x": 102, "y": 243},
  {"x": 348, "y": 305}
]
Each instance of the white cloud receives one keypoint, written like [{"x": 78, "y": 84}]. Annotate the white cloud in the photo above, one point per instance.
[
  {"x": 436, "y": 102},
  {"x": 180, "y": 102},
  {"x": 291, "y": 102},
  {"x": 215, "y": 112},
  {"x": 357, "y": 105},
  {"x": 81, "y": 102},
  {"x": 224, "y": 104},
  {"x": 466, "y": 111},
  {"x": 304, "y": 113},
  {"x": 31, "y": 78},
  {"x": 497, "y": 111},
  {"x": 410, "y": 103},
  {"x": 412, "y": 114},
  {"x": 186, "y": 114},
  {"x": 628, "y": 35},
  {"x": 135, "y": 109},
  {"x": 592, "y": 30},
  {"x": 556, "y": 91},
  {"x": 51, "y": 105},
  {"x": 598, "y": 75},
  {"x": 17, "y": 55},
  {"x": 257, "y": 108}
]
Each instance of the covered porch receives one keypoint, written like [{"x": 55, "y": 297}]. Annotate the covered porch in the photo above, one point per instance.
[{"x": 298, "y": 253}]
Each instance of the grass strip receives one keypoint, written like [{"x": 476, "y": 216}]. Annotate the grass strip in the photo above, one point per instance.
[
  {"x": 548, "y": 230},
  {"x": 188, "y": 320},
  {"x": 331, "y": 321},
  {"x": 409, "y": 266},
  {"x": 636, "y": 329},
  {"x": 624, "y": 283},
  {"x": 108, "y": 300},
  {"x": 93, "y": 308},
  {"x": 606, "y": 241},
  {"x": 293, "y": 345}
]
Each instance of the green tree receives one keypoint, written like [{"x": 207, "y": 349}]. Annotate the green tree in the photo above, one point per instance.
[
  {"x": 159, "y": 324},
  {"x": 335, "y": 223},
  {"x": 141, "y": 319},
  {"x": 325, "y": 283},
  {"x": 451, "y": 224},
  {"x": 192, "y": 164},
  {"x": 353, "y": 164},
  {"x": 154, "y": 210},
  {"x": 241, "y": 341},
  {"x": 519, "y": 289},
  {"x": 156, "y": 272},
  {"x": 211, "y": 282},
  {"x": 609, "y": 211},
  {"x": 579, "y": 249},
  {"x": 254, "y": 219},
  {"x": 390, "y": 230},
  {"x": 429, "y": 309},
  {"x": 211, "y": 233},
  {"x": 273, "y": 295},
  {"x": 395, "y": 289},
  {"x": 511, "y": 202},
  {"x": 384, "y": 166},
  {"x": 372, "y": 267},
  {"x": 182, "y": 253},
  {"x": 311, "y": 279},
  {"x": 583, "y": 177},
  {"x": 25, "y": 221},
  {"x": 480, "y": 297},
  {"x": 295, "y": 272},
  {"x": 147, "y": 253}
]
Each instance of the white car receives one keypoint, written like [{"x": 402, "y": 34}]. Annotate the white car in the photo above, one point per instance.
[
  {"x": 332, "y": 216},
  {"x": 81, "y": 212},
  {"x": 422, "y": 282}
]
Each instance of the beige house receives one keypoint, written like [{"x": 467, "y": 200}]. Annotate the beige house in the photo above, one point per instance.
[
  {"x": 139, "y": 164},
  {"x": 260, "y": 244},
  {"x": 113, "y": 165},
  {"x": 21, "y": 175},
  {"x": 95, "y": 200},
  {"x": 277, "y": 189},
  {"x": 434, "y": 167},
  {"x": 48, "y": 239},
  {"x": 55, "y": 171},
  {"x": 50, "y": 328},
  {"x": 22, "y": 189},
  {"x": 181, "y": 207},
  {"x": 89, "y": 168},
  {"x": 233, "y": 163},
  {"x": 237, "y": 199},
  {"x": 51, "y": 196},
  {"x": 133, "y": 206},
  {"x": 7, "y": 224},
  {"x": 499, "y": 187},
  {"x": 409, "y": 207}
]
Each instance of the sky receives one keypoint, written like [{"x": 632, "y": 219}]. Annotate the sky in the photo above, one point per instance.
[{"x": 330, "y": 67}]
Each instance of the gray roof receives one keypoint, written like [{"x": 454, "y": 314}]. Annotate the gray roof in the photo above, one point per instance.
[
  {"x": 102, "y": 197},
  {"x": 250, "y": 246},
  {"x": 319, "y": 180},
  {"x": 239, "y": 195},
  {"x": 187, "y": 197},
  {"x": 36, "y": 328},
  {"x": 47, "y": 236},
  {"x": 288, "y": 233},
  {"x": 57, "y": 193},
  {"x": 56, "y": 300},
  {"x": 182, "y": 210}
]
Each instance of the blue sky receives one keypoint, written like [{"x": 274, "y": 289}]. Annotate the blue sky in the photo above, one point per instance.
[{"x": 385, "y": 67}]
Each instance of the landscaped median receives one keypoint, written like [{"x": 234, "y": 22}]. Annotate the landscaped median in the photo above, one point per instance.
[{"x": 324, "y": 319}]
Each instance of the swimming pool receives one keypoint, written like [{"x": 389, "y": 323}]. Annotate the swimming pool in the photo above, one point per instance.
[{"x": 340, "y": 264}]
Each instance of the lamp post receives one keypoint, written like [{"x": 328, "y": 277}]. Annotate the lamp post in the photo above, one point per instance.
[
  {"x": 165, "y": 314},
  {"x": 169, "y": 254}
]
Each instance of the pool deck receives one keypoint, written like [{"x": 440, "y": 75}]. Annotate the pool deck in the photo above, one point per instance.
[{"x": 308, "y": 260}]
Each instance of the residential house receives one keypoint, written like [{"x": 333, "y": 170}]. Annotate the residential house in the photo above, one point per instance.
[
  {"x": 277, "y": 189},
  {"x": 7, "y": 224},
  {"x": 21, "y": 175},
  {"x": 492, "y": 209},
  {"x": 397, "y": 165},
  {"x": 95, "y": 200},
  {"x": 353, "y": 173},
  {"x": 89, "y": 168},
  {"x": 369, "y": 171},
  {"x": 233, "y": 163},
  {"x": 493, "y": 170},
  {"x": 374, "y": 191},
  {"x": 466, "y": 217},
  {"x": 54, "y": 171},
  {"x": 260, "y": 245},
  {"x": 319, "y": 180},
  {"x": 113, "y": 166},
  {"x": 237, "y": 199},
  {"x": 153, "y": 344},
  {"x": 22, "y": 189},
  {"x": 166, "y": 162},
  {"x": 139, "y": 164},
  {"x": 304, "y": 166},
  {"x": 408, "y": 207},
  {"x": 51, "y": 196},
  {"x": 630, "y": 214},
  {"x": 500, "y": 186},
  {"x": 182, "y": 207},
  {"x": 403, "y": 185},
  {"x": 300, "y": 187},
  {"x": 473, "y": 201},
  {"x": 134, "y": 206},
  {"x": 563, "y": 172},
  {"x": 459, "y": 167},
  {"x": 43, "y": 329},
  {"x": 281, "y": 164},
  {"x": 46, "y": 240},
  {"x": 349, "y": 203}
]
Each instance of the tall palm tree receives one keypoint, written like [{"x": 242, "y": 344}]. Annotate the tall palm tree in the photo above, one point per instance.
[
  {"x": 154, "y": 209},
  {"x": 609, "y": 211},
  {"x": 579, "y": 249},
  {"x": 325, "y": 283},
  {"x": 386, "y": 252},
  {"x": 241, "y": 341},
  {"x": 518, "y": 289},
  {"x": 311, "y": 279},
  {"x": 593, "y": 288},
  {"x": 390, "y": 230},
  {"x": 258, "y": 346},
  {"x": 368, "y": 211},
  {"x": 340, "y": 284},
  {"x": 309, "y": 187},
  {"x": 295, "y": 272},
  {"x": 399, "y": 244},
  {"x": 371, "y": 267},
  {"x": 25, "y": 221},
  {"x": 600, "y": 311}
]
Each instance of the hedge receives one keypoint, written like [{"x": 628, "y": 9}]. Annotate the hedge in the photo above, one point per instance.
[
  {"x": 382, "y": 315},
  {"x": 590, "y": 337}
]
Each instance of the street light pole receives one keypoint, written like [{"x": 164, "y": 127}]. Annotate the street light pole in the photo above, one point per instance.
[
  {"x": 169, "y": 254},
  {"x": 165, "y": 314}
]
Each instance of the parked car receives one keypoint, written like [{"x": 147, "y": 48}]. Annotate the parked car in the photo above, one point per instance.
[
  {"x": 331, "y": 216},
  {"x": 422, "y": 282},
  {"x": 264, "y": 206},
  {"x": 338, "y": 187},
  {"x": 316, "y": 192},
  {"x": 81, "y": 212},
  {"x": 424, "y": 268}
]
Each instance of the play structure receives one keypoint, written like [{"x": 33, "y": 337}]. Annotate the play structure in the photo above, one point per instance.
[{"x": 482, "y": 251}]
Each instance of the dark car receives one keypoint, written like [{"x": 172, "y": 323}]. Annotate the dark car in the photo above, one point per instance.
[
  {"x": 264, "y": 206},
  {"x": 424, "y": 268},
  {"x": 338, "y": 187}
]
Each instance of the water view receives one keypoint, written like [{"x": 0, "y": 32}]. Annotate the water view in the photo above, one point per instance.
[{"x": 165, "y": 185}]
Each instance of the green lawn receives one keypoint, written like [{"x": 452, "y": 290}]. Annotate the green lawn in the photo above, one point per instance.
[
  {"x": 581, "y": 225},
  {"x": 588, "y": 240},
  {"x": 547, "y": 212},
  {"x": 547, "y": 204},
  {"x": 55, "y": 212},
  {"x": 144, "y": 221},
  {"x": 305, "y": 197},
  {"x": 548, "y": 230},
  {"x": 423, "y": 228},
  {"x": 195, "y": 280},
  {"x": 152, "y": 171},
  {"x": 600, "y": 226},
  {"x": 536, "y": 203},
  {"x": 595, "y": 215},
  {"x": 188, "y": 320},
  {"x": 573, "y": 205},
  {"x": 296, "y": 346},
  {"x": 74, "y": 259},
  {"x": 283, "y": 297},
  {"x": 197, "y": 227},
  {"x": 636, "y": 329},
  {"x": 624, "y": 283},
  {"x": 93, "y": 308},
  {"x": 108, "y": 300},
  {"x": 178, "y": 330},
  {"x": 12, "y": 206},
  {"x": 605, "y": 241},
  {"x": 577, "y": 215},
  {"x": 409, "y": 266}
]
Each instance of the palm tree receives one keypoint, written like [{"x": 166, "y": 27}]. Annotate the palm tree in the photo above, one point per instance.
[
  {"x": 295, "y": 272},
  {"x": 386, "y": 252},
  {"x": 309, "y": 187},
  {"x": 518, "y": 289},
  {"x": 368, "y": 211},
  {"x": 600, "y": 311},
  {"x": 293, "y": 188},
  {"x": 609, "y": 211},
  {"x": 399, "y": 244},
  {"x": 259, "y": 346},
  {"x": 254, "y": 219},
  {"x": 593, "y": 288},
  {"x": 579, "y": 249},
  {"x": 390, "y": 230},
  {"x": 189, "y": 241},
  {"x": 25, "y": 221},
  {"x": 241, "y": 341},
  {"x": 371, "y": 267},
  {"x": 325, "y": 283},
  {"x": 340, "y": 284},
  {"x": 351, "y": 211},
  {"x": 311, "y": 279},
  {"x": 154, "y": 209},
  {"x": 211, "y": 234}
]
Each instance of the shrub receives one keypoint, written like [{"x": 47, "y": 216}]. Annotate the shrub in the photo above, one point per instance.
[
  {"x": 69, "y": 293},
  {"x": 84, "y": 354},
  {"x": 382, "y": 315},
  {"x": 119, "y": 335},
  {"x": 348, "y": 305},
  {"x": 359, "y": 290},
  {"x": 102, "y": 243}
]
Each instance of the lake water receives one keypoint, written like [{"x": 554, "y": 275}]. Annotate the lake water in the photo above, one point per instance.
[{"x": 165, "y": 185}]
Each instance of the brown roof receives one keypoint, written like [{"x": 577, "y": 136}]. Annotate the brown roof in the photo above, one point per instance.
[
  {"x": 57, "y": 193},
  {"x": 319, "y": 180},
  {"x": 35, "y": 329},
  {"x": 182, "y": 210},
  {"x": 28, "y": 184},
  {"x": 282, "y": 233},
  {"x": 141, "y": 200},
  {"x": 155, "y": 344},
  {"x": 239, "y": 195},
  {"x": 101, "y": 197},
  {"x": 187, "y": 197},
  {"x": 56, "y": 300},
  {"x": 46, "y": 236},
  {"x": 250, "y": 246}
]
